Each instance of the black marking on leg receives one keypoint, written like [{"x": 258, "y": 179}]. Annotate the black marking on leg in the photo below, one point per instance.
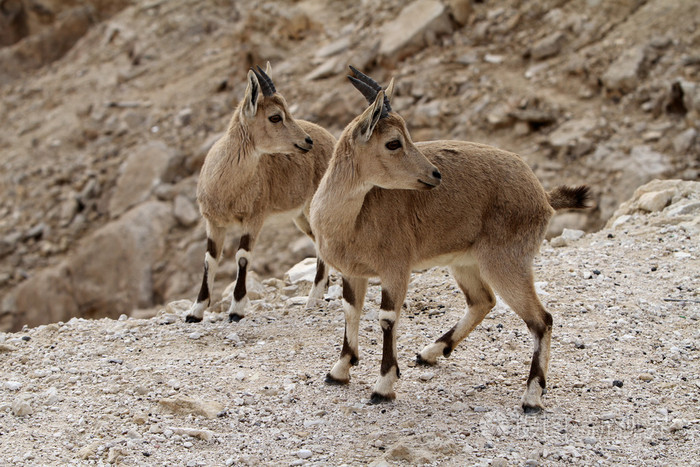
[
  {"x": 348, "y": 293},
  {"x": 447, "y": 340},
  {"x": 234, "y": 318},
  {"x": 536, "y": 370},
  {"x": 377, "y": 398},
  {"x": 330, "y": 380},
  {"x": 192, "y": 319},
  {"x": 388, "y": 357},
  {"x": 204, "y": 290},
  {"x": 240, "y": 291},
  {"x": 211, "y": 248},
  {"x": 348, "y": 351},
  {"x": 387, "y": 303},
  {"x": 245, "y": 243},
  {"x": 320, "y": 271}
]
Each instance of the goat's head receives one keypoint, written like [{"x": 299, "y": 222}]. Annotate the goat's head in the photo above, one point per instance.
[
  {"x": 380, "y": 144},
  {"x": 270, "y": 125}
]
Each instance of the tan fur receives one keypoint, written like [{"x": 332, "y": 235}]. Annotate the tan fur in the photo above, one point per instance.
[
  {"x": 256, "y": 169},
  {"x": 375, "y": 214}
]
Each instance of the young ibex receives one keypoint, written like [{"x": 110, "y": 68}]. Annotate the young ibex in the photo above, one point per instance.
[
  {"x": 387, "y": 206},
  {"x": 266, "y": 163}
]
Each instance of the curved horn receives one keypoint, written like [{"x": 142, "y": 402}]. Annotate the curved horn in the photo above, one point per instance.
[
  {"x": 266, "y": 84},
  {"x": 369, "y": 88},
  {"x": 365, "y": 79}
]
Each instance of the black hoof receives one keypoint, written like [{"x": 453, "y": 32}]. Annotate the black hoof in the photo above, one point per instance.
[
  {"x": 421, "y": 361},
  {"x": 334, "y": 381},
  {"x": 377, "y": 398},
  {"x": 192, "y": 319},
  {"x": 531, "y": 409},
  {"x": 234, "y": 318}
]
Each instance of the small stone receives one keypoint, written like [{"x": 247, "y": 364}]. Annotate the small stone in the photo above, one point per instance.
[
  {"x": 590, "y": 440},
  {"x": 427, "y": 376},
  {"x": 21, "y": 408},
  {"x": 655, "y": 201},
  {"x": 304, "y": 453},
  {"x": 617, "y": 383},
  {"x": 13, "y": 385},
  {"x": 186, "y": 405},
  {"x": 645, "y": 377},
  {"x": 678, "y": 424},
  {"x": 195, "y": 335}
]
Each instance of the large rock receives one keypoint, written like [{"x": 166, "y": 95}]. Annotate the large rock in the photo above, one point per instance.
[
  {"x": 673, "y": 198},
  {"x": 623, "y": 74},
  {"x": 111, "y": 273},
  {"x": 142, "y": 171},
  {"x": 410, "y": 30},
  {"x": 49, "y": 45}
]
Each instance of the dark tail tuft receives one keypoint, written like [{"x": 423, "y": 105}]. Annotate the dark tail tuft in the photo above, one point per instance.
[{"x": 566, "y": 197}]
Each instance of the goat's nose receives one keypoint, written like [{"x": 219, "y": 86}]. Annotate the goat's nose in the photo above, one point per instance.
[
  {"x": 309, "y": 140},
  {"x": 437, "y": 174}
]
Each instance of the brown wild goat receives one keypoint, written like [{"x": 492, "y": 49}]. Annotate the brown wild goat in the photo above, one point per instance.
[
  {"x": 266, "y": 163},
  {"x": 387, "y": 206}
]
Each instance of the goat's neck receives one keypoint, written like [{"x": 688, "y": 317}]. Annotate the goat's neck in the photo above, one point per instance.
[
  {"x": 241, "y": 148},
  {"x": 342, "y": 194}
]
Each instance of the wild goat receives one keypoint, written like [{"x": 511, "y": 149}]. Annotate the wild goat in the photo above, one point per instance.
[
  {"x": 266, "y": 163},
  {"x": 387, "y": 206}
]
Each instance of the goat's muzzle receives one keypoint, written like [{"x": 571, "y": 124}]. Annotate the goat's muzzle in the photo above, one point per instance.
[
  {"x": 307, "y": 145},
  {"x": 433, "y": 181}
]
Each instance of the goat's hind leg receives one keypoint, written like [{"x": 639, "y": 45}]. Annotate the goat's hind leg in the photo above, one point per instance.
[
  {"x": 480, "y": 300},
  {"x": 354, "y": 290},
  {"x": 215, "y": 241},
  {"x": 516, "y": 286}
]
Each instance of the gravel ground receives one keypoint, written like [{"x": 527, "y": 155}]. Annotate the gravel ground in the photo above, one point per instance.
[{"x": 624, "y": 380}]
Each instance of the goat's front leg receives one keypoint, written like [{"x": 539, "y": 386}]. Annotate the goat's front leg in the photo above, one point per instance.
[
  {"x": 215, "y": 242},
  {"x": 354, "y": 289},
  {"x": 239, "y": 298},
  {"x": 393, "y": 295},
  {"x": 321, "y": 278}
]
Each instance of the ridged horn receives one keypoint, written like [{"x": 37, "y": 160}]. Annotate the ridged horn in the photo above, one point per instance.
[
  {"x": 266, "y": 84},
  {"x": 369, "y": 89}
]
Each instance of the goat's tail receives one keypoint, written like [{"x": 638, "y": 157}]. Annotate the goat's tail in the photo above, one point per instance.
[{"x": 566, "y": 197}]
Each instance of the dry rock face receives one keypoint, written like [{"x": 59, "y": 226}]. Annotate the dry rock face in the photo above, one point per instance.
[
  {"x": 112, "y": 104},
  {"x": 622, "y": 388}
]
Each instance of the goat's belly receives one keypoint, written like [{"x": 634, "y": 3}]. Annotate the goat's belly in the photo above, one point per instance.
[{"x": 460, "y": 258}]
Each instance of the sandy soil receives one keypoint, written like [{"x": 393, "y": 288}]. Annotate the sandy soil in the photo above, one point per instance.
[{"x": 624, "y": 380}]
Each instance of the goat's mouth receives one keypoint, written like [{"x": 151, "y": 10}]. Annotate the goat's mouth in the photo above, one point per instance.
[
  {"x": 428, "y": 185},
  {"x": 304, "y": 150}
]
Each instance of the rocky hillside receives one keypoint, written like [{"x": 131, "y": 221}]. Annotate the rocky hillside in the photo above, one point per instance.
[
  {"x": 623, "y": 383},
  {"x": 109, "y": 106}
]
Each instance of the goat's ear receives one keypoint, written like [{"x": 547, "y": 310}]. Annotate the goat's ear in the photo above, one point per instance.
[
  {"x": 369, "y": 118},
  {"x": 252, "y": 94},
  {"x": 268, "y": 69},
  {"x": 390, "y": 90}
]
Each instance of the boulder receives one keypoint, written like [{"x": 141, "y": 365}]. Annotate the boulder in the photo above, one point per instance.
[
  {"x": 111, "y": 273},
  {"x": 142, "y": 171},
  {"x": 622, "y": 76},
  {"x": 410, "y": 30}
]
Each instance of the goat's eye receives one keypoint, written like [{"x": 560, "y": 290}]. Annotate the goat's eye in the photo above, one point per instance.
[
  {"x": 275, "y": 119},
  {"x": 393, "y": 145}
]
